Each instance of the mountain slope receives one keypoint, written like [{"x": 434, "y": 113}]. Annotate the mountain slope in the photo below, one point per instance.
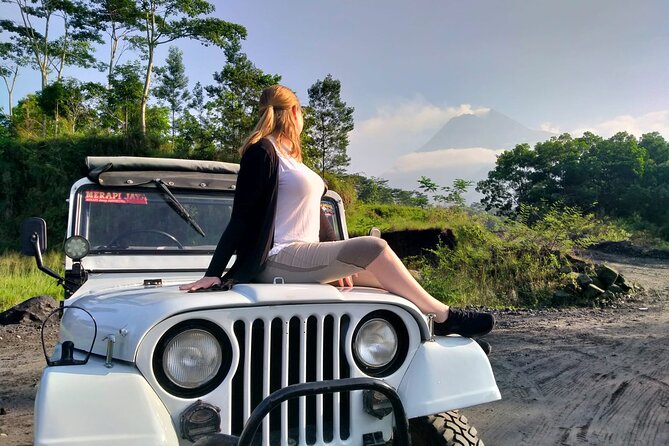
[{"x": 491, "y": 130}]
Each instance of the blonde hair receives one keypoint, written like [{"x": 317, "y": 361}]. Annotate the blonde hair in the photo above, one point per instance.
[{"x": 276, "y": 119}]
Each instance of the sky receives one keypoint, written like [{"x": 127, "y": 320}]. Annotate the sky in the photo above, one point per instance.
[{"x": 409, "y": 66}]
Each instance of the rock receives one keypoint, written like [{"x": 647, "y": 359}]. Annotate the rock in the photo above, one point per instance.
[
  {"x": 620, "y": 279},
  {"x": 625, "y": 287},
  {"x": 607, "y": 274},
  {"x": 561, "y": 296},
  {"x": 3, "y": 411},
  {"x": 34, "y": 310},
  {"x": 615, "y": 289},
  {"x": 583, "y": 280},
  {"x": 578, "y": 264},
  {"x": 592, "y": 291}
]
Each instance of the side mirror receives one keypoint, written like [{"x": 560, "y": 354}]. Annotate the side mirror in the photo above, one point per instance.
[{"x": 33, "y": 227}]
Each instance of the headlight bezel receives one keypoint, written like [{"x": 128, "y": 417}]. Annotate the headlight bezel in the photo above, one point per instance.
[
  {"x": 402, "y": 335},
  {"x": 226, "y": 358}
]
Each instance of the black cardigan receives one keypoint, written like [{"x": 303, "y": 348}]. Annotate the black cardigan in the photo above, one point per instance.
[{"x": 250, "y": 232}]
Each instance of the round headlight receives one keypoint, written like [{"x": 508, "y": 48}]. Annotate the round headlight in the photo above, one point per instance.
[
  {"x": 192, "y": 358},
  {"x": 376, "y": 343},
  {"x": 76, "y": 247}
]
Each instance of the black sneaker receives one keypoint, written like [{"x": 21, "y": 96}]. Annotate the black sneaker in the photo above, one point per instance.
[{"x": 465, "y": 323}]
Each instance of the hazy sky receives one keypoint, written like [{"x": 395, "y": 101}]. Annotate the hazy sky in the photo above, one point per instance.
[{"x": 407, "y": 66}]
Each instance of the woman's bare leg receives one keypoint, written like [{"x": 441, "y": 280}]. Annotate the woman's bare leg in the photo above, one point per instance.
[{"x": 392, "y": 275}]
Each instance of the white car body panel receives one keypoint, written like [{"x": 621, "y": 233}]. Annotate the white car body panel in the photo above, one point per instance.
[
  {"x": 448, "y": 373},
  {"x": 108, "y": 407}
]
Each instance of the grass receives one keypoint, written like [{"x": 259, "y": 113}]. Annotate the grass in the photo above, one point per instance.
[
  {"x": 497, "y": 262},
  {"x": 360, "y": 218},
  {"x": 20, "y": 279}
]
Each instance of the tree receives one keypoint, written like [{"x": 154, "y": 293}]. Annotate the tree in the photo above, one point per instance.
[
  {"x": 508, "y": 182},
  {"x": 123, "y": 98},
  {"x": 164, "y": 21},
  {"x": 173, "y": 84},
  {"x": 454, "y": 195},
  {"x": 12, "y": 58},
  {"x": 73, "y": 47},
  {"x": 28, "y": 118},
  {"x": 233, "y": 110},
  {"x": 198, "y": 103},
  {"x": 328, "y": 121},
  {"x": 118, "y": 19}
]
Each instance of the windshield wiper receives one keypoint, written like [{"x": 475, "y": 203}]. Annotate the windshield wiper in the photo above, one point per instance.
[{"x": 178, "y": 207}]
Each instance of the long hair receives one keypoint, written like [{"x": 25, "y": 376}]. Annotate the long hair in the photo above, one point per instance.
[{"x": 276, "y": 119}]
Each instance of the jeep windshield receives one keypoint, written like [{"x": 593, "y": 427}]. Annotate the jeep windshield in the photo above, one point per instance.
[{"x": 140, "y": 219}]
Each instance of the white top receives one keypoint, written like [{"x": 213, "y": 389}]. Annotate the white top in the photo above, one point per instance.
[{"x": 297, "y": 217}]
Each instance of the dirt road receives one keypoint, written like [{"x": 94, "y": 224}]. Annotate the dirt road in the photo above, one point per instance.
[
  {"x": 571, "y": 377},
  {"x": 577, "y": 377}
]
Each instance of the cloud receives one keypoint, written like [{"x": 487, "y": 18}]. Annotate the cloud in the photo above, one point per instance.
[
  {"x": 548, "y": 127},
  {"x": 397, "y": 128},
  {"x": 412, "y": 116},
  {"x": 657, "y": 121},
  {"x": 466, "y": 159}
]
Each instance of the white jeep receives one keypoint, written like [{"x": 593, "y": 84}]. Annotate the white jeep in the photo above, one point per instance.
[{"x": 139, "y": 362}]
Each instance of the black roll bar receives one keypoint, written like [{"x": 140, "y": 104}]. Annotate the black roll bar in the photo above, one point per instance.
[{"x": 323, "y": 387}]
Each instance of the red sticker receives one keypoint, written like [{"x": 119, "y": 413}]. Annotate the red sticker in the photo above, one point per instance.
[{"x": 95, "y": 196}]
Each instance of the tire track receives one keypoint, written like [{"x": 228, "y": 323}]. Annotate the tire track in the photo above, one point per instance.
[{"x": 596, "y": 378}]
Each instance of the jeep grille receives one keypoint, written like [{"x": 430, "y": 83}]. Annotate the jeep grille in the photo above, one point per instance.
[{"x": 276, "y": 352}]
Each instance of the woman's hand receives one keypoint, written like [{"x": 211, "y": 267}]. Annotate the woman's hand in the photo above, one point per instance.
[
  {"x": 205, "y": 282},
  {"x": 346, "y": 282}
]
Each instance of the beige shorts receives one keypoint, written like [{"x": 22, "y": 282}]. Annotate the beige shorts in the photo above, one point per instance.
[{"x": 324, "y": 262}]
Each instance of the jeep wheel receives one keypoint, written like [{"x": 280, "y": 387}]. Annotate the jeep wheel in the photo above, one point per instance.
[{"x": 443, "y": 429}]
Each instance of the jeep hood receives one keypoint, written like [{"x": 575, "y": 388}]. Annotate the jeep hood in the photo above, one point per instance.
[{"x": 128, "y": 311}]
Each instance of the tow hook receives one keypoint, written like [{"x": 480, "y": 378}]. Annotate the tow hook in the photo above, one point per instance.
[
  {"x": 430, "y": 325},
  {"x": 111, "y": 340}
]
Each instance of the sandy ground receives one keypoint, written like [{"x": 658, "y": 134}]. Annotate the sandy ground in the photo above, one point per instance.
[
  {"x": 584, "y": 376},
  {"x": 570, "y": 377}
]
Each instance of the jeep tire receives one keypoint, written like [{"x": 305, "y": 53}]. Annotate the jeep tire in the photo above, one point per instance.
[{"x": 443, "y": 429}]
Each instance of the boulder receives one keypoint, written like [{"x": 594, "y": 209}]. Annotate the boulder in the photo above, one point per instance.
[
  {"x": 592, "y": 291},
  {"x": 625, "y": 287},
  {"x": 34, "y": 310},
  {"x": 578, "y": 263},
  {"x": 583, "y": 280},
  {"x": 615, "y": 289},
  {"x": 607, "y": 274}
]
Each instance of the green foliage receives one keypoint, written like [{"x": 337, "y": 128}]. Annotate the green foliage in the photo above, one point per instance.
[
  {"x": 618, "y": 177},
  {"x": 172, "y": 84},
  {"x": 164, "y": 21},
  {"x": 499, "y": 262},
  {"x": 361, "y": 217},
  {"x": 28, "y": 120},
  {"x": 20, "y": 279},
  {"x": 233, "y": 110},
  {"x": 327, "y": 122},
  {"x": 451, "y": 196},
  {"x": 73, "y": 48},
  {"x": 560, "y": 228},
  {"x": 37, "y": 176}
]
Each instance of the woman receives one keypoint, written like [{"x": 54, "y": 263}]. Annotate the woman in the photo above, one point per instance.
[{"x": 277, "y": 229}]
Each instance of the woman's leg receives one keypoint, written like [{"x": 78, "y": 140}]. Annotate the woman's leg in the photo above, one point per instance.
[
  {"x": 390, "y": 273},
  {"x": 378, "y": 266},
  {"x": 393, "y": 276}
]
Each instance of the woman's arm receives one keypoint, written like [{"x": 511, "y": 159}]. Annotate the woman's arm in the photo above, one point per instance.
[{"x": 252, "y": 182}]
